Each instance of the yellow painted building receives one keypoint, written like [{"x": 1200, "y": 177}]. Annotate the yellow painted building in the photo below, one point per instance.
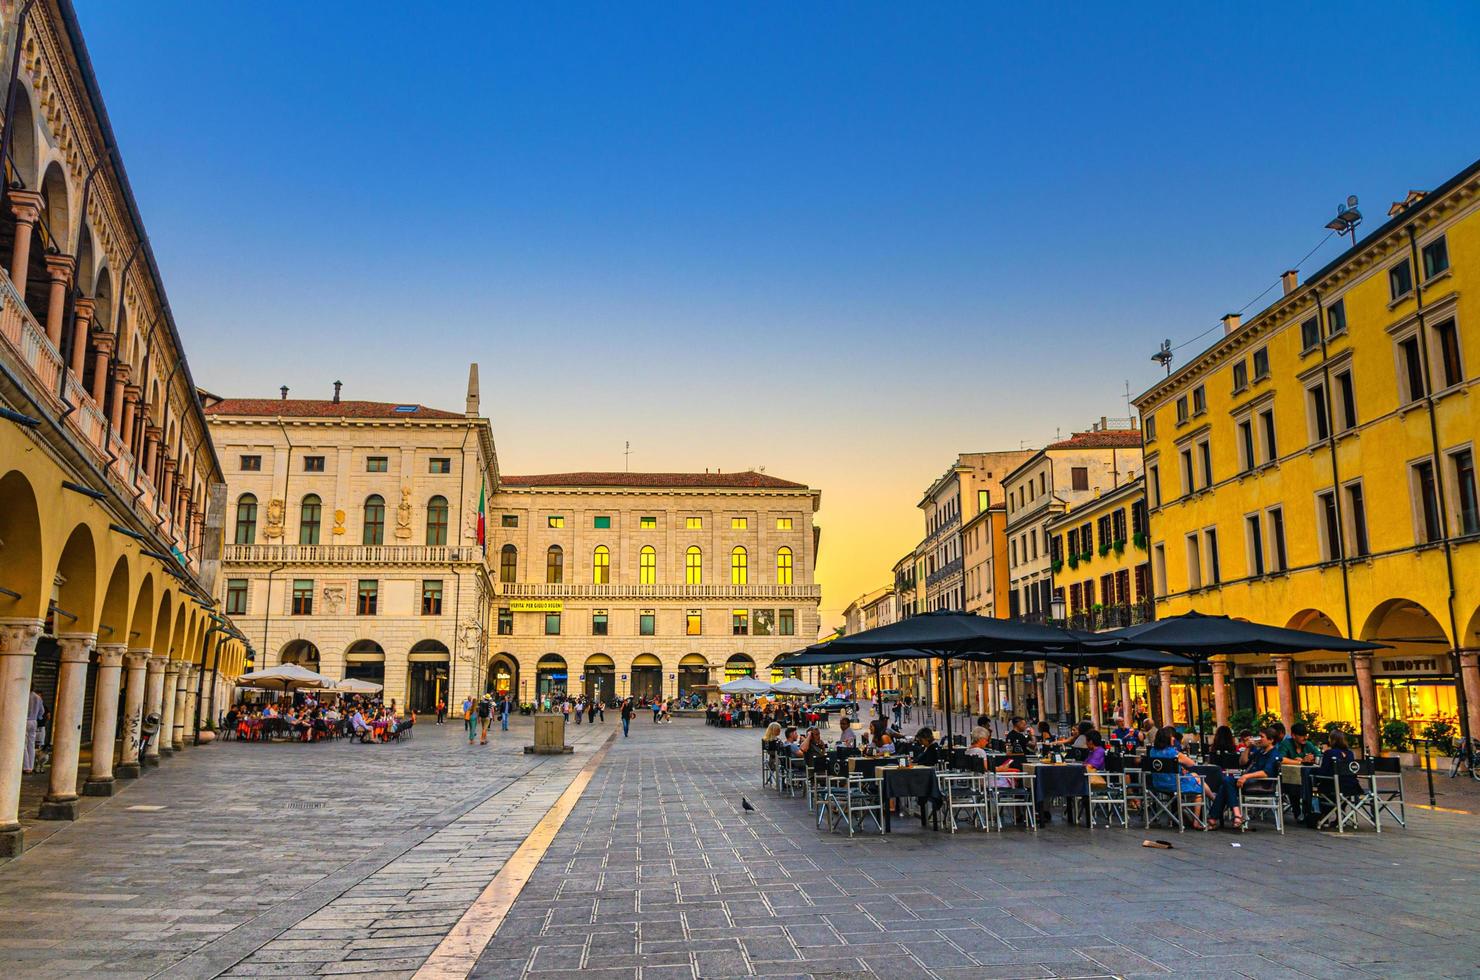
[{"x": 1315, "y": 468}]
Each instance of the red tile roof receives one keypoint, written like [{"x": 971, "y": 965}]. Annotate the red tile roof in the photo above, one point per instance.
[
  {"x": 748, "y": 480},
  {"x": 324, "y": 408},
  {"x": 1105, "y": 439}
]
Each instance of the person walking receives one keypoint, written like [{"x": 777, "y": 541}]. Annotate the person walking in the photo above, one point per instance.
[
  {"x": 504, "y": 705},
  {"x": 485, "y": 712},
  {"x": 626, "y": 716},
  {"x": 35, "y": 711},
  {"x": 441, "y": 711},
  {"x": 468, "y": 707},
  {"x": 591, "y": 712}
]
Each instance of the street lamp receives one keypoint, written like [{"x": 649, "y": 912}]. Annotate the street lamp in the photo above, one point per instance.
[
  {"x": 1347, "y": 218},
  {"x": 1056, "y": 608}
]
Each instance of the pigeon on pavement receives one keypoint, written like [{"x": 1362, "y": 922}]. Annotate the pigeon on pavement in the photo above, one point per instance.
[{"x": 745, "y": 805}]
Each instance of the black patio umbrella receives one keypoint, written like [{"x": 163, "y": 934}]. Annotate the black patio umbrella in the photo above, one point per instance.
[
  {"x": 820, "y": 655},
  {"x": 1197, "y": 637},
  {"x": 951, "y": 635},
  {"x": 1081, "y": 655}
]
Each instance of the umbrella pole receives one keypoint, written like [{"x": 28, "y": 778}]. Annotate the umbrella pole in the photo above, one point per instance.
[
  {"x": 878, "y": 689},
  {"x": 1197, "y": 680},
  {"x": 945, "y": 675}
]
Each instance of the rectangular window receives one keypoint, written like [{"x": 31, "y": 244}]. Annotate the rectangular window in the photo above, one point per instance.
[
  {"x": 762, "y": 622},
  {"x": 1210, "y": 539},
  {"x": 983, "y": 500},
  {"x": 1271, "y": 448},
  {"x": 1320, "y": 424},
  {"x": 1336, "y": 318},
  {"x": 647, "y": 523},
  {"x": 1427, "y": 502},
  {"x": 1467, "y": 506},
  {"x": 552, "y": 624},
  {"x": 1411, "y": 358},
  {"x": 439, "y": 464},
  {"x": 555, "y": 520},
  {"x": 1189, "y": 476},
  {"x": 1149, "y": 425},
  {"x": 1153, "y": 480},
  {"x": 1139, "y": 520},
  {"x": 313, "y": 464},
  {"x": 1446, "y": 343},
  {"x": 694, "y": 623},
  {"x": 740, "y": 622},
  {"x": 1240, "y": 376},
  {"x": 377, "y": 464},
  {"x": 739, "y": 523},
  {"x": 1356, "y": 519},
  {"x": 602, "y": 522},
  {"x": 1159, "y": 568},
  {"x": 1277, "y": 559},
  {"x": 1261, "y": 364},
  {"x": 647, "y": 622},
  {"x": 1435, "y": 258},
  {"x": 1199, "y": 400},
  {"x": 505, "y": 621},
  {"x": 509, "y": 520},
  {"x": 1329, "y": 525},
  {"x": 236, "y": 597},
  {"x": 1254, "y": 538},
  {"x": 1246, "y": 444},
  {"x": 1310, "y": 335},
  {"x": 783, "y": 523},
  {"x": 251, "y": 464},
  {"x": 1079, "y": 477},
  {"x": 1182, "y": 409},
  {"x": 694, "y": 523},
  {"x": 1205, "y": 448},
  {"x": 1117, "y": 525},
  {"x": 431, "y": 597},
  {"x": 598, "y": 622},
  {"x": 786, "y": 622},
  {"x": 302, "y": 597},
  {"x": 1346, "y": 403},
  {"x": 1194, "y": 562},
  {"x": 367, "y": 597},
  {"x": 1400, "y": 280}
]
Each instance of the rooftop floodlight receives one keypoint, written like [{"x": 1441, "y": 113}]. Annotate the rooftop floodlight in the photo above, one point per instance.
[{"x": 1347, "y": 218}]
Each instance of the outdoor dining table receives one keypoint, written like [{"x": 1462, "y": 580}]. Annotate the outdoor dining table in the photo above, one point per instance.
[
  {"x": 1303, "y": 778},
  {"x": 909, "y": 783},
  {"x": 1052, "y": 780}
]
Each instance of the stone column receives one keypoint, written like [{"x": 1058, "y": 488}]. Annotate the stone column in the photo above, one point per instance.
[
  {"x": 1283, "y": 664},
  {"x": 125, "y": 404},
  {"x": 26, "y": 206},
  {"x": 80, "y": 325},
  {"x": 151, "y": 443},
  {"x": 17, "y": 654},
  {"x": 1367, "y": 704},
  {"x": 1126, "y": 714},
  {"x": 59, "y": 267},
  {"x": 135, "y": 664},
  {"x": 102, "y": 351},
  {"x": 1094, "y": 696},
  {"x": 182, "y": 696},
  {"x": 66, "y": 726},
  {"x": 1469, "y": 672},
  {"x": 105, "y": 719},
  {"x": 1166, "y": 696},
  {"x": 154, "y": 704},
  {"x": 167, "y": 692},
  {"x": 1041, "y": 679},
  {"x": 1220, "y": 691}
]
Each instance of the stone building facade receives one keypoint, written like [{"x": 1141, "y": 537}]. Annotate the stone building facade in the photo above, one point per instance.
[
  {"x": 352, "y": 532},
  {"x": 649, "y": 584}
]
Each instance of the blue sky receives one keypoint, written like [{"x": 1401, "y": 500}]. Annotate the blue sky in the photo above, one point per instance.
[{"x": 841, "y": 241}]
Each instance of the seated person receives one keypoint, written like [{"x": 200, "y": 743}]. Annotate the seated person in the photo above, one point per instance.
[
  {"x": 1045, "y": 734},
  {"x": 1126, "y": 733},
  {"x": 1264, "y": 763},
  {"x": 1336, "y": 761},
  {"x": 1190, "y": 783},
  {"x": 791, "y": 744},
  {"x": 772, "y": 733},
  {"x": 1019, "y": 740},
  {"x": 927, "y": 750},
  {"x": 880, "y": 742},
  {"x": 1223, "y": 741},
  {"x": 1079, "y": 741},
  {"x": 1296, "y": 747},
  {"x": 1094, "y": 760},
  {"x": 847, "y": 735},
  {"x": 981, "y": 737},
  {"x": 813, "y": 748}
]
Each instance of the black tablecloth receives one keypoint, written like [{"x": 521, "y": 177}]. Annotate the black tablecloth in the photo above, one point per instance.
[
  {"x": 1067, "y": 780},
  {"x": 916, "y": 782}
]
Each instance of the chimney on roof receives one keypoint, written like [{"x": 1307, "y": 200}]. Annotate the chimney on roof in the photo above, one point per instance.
[
  {"x": 471, "y": 409},
  {"x": 1230, "y": 323},
  {"x": 1104, "y": 424},
  {"x": 1290, "y": 279},
  {"x": 337, "y": 386},
  {"x": 284, "y": 390}
]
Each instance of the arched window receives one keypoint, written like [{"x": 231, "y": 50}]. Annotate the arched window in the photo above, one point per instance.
[
  {"x": 437, "y": 520},
  {"x": 783, "y": 566},
  {"x": 601, "y": 565},
  {"x": 739, "y": 566},
  {"x": 554, "y": 565},
  {"x": 508, "y": 563},
  {"x": 309, "y": 516},
  {"x": 647, "y": 567},
  {"x": 693, "y": 566},
  {"x": 246, "y": 519},
  {"x": 374, "y": 520}
]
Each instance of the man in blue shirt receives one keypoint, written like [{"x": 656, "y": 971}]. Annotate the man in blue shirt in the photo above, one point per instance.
[{"x": 1264, "y": 763}]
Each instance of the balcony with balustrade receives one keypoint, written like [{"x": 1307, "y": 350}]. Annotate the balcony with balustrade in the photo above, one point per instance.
[
  {"x": 736, "y": 593},
  {"x": 352, "y": 554}
]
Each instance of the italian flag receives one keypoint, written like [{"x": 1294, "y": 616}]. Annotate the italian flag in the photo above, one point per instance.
[{"x": 482, "y": 517}]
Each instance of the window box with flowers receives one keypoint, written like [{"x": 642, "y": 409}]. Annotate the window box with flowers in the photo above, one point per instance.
[{"x": 1139, "y": 540}]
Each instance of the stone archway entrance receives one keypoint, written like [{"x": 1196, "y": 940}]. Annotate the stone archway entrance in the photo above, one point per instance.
[
  {"x": 503, "y": 676},
  {"x": 426, "y": 675},
  {"x": 365, "y": 661}
]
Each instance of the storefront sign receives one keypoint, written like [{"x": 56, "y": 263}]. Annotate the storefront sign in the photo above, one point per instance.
[
  {"x": 536, "y": 605},
  {"x": 1327, "y": 668},
  {"x": 1408, "y": 666},
  {"x": 1254, "y": 670}
]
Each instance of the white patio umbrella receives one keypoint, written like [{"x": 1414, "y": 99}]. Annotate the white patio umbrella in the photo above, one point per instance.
[
  {"x": 285, "y": 678},
  {"x": 745, "y": 685},
  {"x": 795, "y": 685},
  {"x": 354, "y": 685}
]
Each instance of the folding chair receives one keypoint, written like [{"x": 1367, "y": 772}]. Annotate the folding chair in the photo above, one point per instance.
[
  {"x": 792, "y": 772},
  {"x": 1347, "y": 802},
  {"x": 768, "y": 763},
  {"x": 1385, "y": 774},
  {"x": 966, "y": 794},
  {"x": 1265, "y": 793},
  {"x": 1013, "y": 791},
  {"x": 1172, "y": 805},
  {"x": 1108, "y": 793},
  {"x": 863, "y": 799}
]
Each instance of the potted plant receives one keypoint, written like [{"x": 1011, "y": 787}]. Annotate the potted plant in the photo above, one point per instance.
[
  {"x": 1119, "y": 547},
  {"x": 1058, "y": 564},
  {"x": 1104, "y": 548},
  {"x": 1140, "y": 540},
  {"x": 1441, "y": 733},
  {"x": 1073, "y": 561},
  {"x": 207, "y": 732},
  {"x": 1395, "y": 734},
  {"x": 1243, "y": 720}
]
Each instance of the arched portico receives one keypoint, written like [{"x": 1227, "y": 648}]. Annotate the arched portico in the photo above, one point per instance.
[{"x": 426, "y": 675}]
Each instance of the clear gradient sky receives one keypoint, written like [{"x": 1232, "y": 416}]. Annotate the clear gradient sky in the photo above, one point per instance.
[{"x": 840, "y": 241}]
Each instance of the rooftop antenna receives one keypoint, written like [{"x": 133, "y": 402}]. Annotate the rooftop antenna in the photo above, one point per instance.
[
  {"x": 1129, "y": 412},
  {"x": 1347, "y": 218},
  {"x": 1164, "y": 356},
  {"x": 627, "y": 457}
]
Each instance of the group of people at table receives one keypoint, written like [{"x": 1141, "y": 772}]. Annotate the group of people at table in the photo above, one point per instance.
[
  {"x": 308, "y": 720},
  {"x": 1240, "y": 758}
]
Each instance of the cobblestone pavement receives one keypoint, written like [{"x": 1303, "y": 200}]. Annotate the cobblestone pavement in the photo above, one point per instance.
[
  {"x": 658, "y": 873},
  {"x": 290, "y": 860},
  {"x": 284, "y": 860}
]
